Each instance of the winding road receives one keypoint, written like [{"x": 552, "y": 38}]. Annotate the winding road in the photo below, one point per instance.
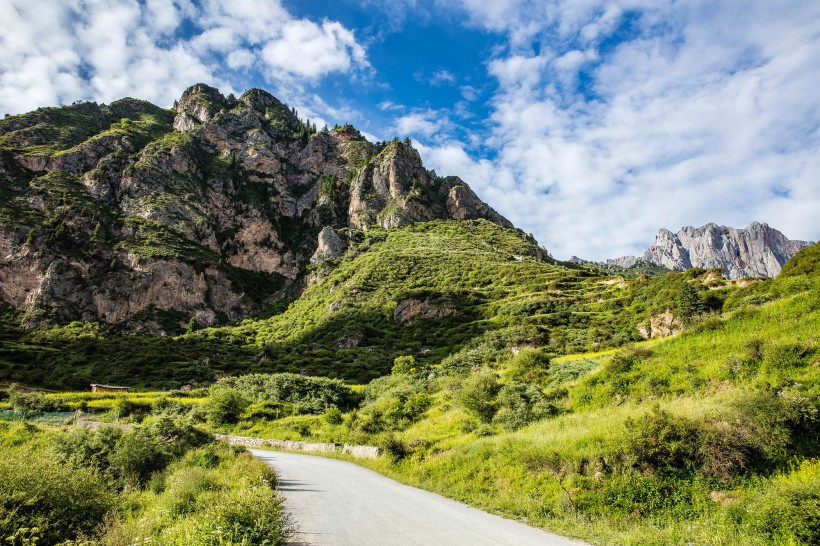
[{"x": 337, "y": 503}]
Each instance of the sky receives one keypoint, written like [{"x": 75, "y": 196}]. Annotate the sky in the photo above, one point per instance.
[{"x": 589, "y": 123}]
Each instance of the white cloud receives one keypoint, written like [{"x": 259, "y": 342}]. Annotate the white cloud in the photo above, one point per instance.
[
  {"x": 309, "y": 50},
  {"x": 469, "y": 92},
  {"x": 56, "y": 52},
  {"x": 701, "y": 112},
  {"x": 442, "y": 77},
  {"x": 425, "y": 123}
]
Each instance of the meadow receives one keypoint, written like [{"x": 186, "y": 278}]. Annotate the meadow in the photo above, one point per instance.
[{"x": 706, "y": 436}]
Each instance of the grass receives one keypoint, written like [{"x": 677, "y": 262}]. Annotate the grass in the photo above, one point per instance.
[{"x": 65, "y": 485}]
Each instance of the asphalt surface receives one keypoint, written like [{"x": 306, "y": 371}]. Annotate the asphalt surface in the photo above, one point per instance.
[{"x": 336, "y": 503}]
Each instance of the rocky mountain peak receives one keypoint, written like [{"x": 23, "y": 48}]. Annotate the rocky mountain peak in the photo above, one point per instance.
[
  {"x": 213, "y": 207},
  {"x": 755, "y": 251}
]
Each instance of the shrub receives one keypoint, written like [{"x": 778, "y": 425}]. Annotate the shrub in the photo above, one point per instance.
[
  {"x": 35, "y": 401},
  {"x": 404, "y": 365},
  {"x": 787, "y": 509},
  {"x": 478, "y": 394},
  {"x": 393, "y": 448},
  {"x": 520, "y": 404},
  {"x": 306, "y": 394},
  {"x": 232, "y": 503},
  {"x": 333, "y": 416},
  {"x": 662, "y": 442},
  {"x": 125, "y": 407},
  {"x": 688, "y": 304},
  {"x": 59, "y": 500},
  {"x": 648, "y": 495},
  {"x": 86, "y": 447},
  {"x": 530, "y": 366},
  {"x": 225, "y": 405},
  {"x": 137, "y": 455}
]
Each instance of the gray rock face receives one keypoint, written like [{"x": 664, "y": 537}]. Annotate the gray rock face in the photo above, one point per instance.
[
  {"x": 624, "y": 261},
  {"x": 208, "y": 212},
  {"x": 331, "y": 245},
  {"x": 756, "y": 251}
]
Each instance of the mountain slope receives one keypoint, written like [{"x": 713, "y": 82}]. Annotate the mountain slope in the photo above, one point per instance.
[{"x": 132, "y": 214}]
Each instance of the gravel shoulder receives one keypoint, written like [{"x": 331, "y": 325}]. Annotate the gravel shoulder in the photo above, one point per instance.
[{"x": 337, "y": 503}]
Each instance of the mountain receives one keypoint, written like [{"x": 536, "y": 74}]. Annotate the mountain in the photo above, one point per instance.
[
  {"x": 131, "y": 214},
  {"x": 756, "y": 251}
]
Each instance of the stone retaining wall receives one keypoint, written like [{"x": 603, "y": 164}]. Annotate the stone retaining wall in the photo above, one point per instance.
[{"x": 365, "y": 452}]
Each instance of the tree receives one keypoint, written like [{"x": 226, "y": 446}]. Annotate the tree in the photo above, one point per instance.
[
  {"x": 224, "y": 406},
  {"x": 687, "y": 302},
  {"x": 404, "y": 365},
  {"x": 478, "y": 394}
]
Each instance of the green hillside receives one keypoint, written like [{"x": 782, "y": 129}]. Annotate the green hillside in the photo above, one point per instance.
[
  {"x": 707, "y": 437},
  {"x": 469, "y": 289}
]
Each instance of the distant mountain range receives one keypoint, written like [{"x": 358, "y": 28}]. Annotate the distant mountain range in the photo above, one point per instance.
[{"x": 758, "y": 250}]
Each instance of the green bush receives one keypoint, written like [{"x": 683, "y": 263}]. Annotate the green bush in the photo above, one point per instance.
[
  {"x": 787, "y": 508},
  {"x": 662, "y": 442},
  {"x": 333, "y": 416},
  {"x": 83, "y": 446},
  {"x": 393, "y": 448},
  {"x": 35, "y": 401},
  {"x": 225, "y": 405},
  {"x": 131, "y": 456},
  {"x": 478, "y": 394},
  {"x": 519, "y": 404},
  {"x": 530, "y": 366},
  {"x": 231, "y": 503},
  {"x": 638, "y": 494},
  {"x": 305, "y": 394},
  {"x": 58, "y": 499},
  {"x": 125, "y": 407}
]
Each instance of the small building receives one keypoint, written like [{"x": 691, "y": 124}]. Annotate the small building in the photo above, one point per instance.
[{"x": 108, "y": 388}]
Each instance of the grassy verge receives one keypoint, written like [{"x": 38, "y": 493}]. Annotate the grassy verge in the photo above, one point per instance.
[{"x": 164, "y": 482}]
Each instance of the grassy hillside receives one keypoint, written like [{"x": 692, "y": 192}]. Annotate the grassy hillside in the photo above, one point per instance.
[
  {"x": 710, "y": 436},
  {"x": 707, "y": 437},
  {"x": 462, "y": 290}
]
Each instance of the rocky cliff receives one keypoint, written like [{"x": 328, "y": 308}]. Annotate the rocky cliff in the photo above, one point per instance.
[
  {"x": 128, "y": 213},
  {"x": 756, "y": 251}
]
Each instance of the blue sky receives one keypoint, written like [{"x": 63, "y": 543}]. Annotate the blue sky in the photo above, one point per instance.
[{"x": 589, "y": 123}]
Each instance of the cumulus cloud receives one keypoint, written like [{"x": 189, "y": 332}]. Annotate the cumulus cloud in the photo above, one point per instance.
[
  {"x": 442, "y": 77},
  {"x": 427, "y": 123},
  {"x": 634, "y": 115},
  {"x": 56, "y": 52},
  {"x": 309, "y": 50}
]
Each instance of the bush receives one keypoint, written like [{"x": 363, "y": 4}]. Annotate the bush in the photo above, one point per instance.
[
  {"x": 35, "y": 401},
  {"x": 306, "y": 394},
  {"x": 333, "y": 416},
  {"x": 478, "y": 394},
  {"x": 648, "y": 495},
  {"x": 393, "y": 448},
  {"x": 787, "y": 509},
  {"x": 520, "y": 404},
  {"x": 404, "y": 365},
  {"x": 57, "y": 499},
  {"x": 85, "y": 447},
  {"x": 530, "y": 366},
  {"x": 225, "y": 405},
  {"x": 125, "y": 407},
  {"x": 131, "y": 456},
  {"x": 662, "y": 442},
  {"x": 230, "y": 502}
]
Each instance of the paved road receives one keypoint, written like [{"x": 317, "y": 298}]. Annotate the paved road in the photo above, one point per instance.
[{"x": 336, "y": 503}]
